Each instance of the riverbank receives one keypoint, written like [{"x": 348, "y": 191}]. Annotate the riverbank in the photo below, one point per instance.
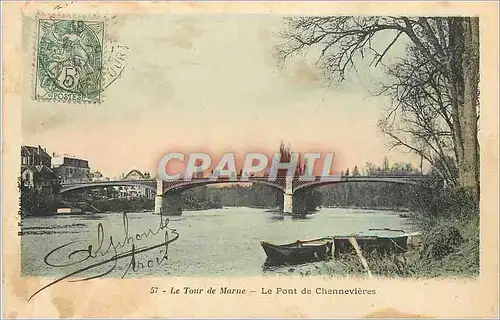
[
  {"x": 450, "y": 247},
  {"x": 381, "y": 208},
  {"x": 456, "y": 260},
  {"x": 47, "y": 205}
]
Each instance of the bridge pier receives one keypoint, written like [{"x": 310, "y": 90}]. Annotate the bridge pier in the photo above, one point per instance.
[
  {"x": 159, "y": 197},
  {"x": 288, "y": 203},
  {"x": 158, "y": 204},
  {"x": 288, "y": 196}
]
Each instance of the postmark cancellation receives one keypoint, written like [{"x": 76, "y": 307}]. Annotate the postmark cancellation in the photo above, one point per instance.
[{"x": 69, "y": 61}]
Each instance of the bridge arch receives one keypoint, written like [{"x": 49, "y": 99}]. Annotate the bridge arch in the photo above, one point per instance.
[
  {"x": 192, "y": 184},
  {"x": 315, "y": 184}
]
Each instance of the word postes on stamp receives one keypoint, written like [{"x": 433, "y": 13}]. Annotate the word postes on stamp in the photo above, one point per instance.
[{"x": 69, "y": 58}]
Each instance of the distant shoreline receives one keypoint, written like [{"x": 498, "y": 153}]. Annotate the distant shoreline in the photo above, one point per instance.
[{"x": 266, "y": 209}]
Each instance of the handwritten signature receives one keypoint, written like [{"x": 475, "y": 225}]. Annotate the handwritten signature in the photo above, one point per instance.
[{"x": 108, "y": 252}]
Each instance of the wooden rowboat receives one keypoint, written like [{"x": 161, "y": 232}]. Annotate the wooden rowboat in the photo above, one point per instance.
[
  {"x": 299, "y": 251},
  {"x": 379, "y": 241}
]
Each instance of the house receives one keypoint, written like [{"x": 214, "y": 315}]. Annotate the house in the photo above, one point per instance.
[
  {"x": 40, "y": 177},
  {"x": 35, "y": 169},
  {"x": 97, "y": 176},
  {"x": 34, "y": 156},
  {"x": 135, "y": 191},
  {"x": 108, "y": 192},
  {"x": 70, "y": 169}
]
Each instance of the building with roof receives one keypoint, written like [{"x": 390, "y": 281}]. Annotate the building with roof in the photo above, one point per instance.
[
  {"x": 70, "y": 169},
  {"x": 40, "y": 177},
  {"x": 34, "y": 156},
  {"x": 35, "y": 169},
  {"x": 135, "y": 191},
  {"x": 97, "y": 176}
]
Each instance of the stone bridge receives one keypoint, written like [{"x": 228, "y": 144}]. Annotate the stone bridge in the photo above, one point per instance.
[{"x": 287, "y": 185}]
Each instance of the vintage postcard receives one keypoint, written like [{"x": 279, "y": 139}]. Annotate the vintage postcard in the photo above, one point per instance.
[{"x": 250, "y": 159}]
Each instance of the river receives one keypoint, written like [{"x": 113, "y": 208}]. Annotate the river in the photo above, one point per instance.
[{"x": 224, "y": 242}]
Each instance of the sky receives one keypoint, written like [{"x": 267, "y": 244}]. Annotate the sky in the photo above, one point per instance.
[{"x": 210, "y": 84}]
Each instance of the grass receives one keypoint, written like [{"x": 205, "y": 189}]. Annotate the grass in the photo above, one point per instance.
[{"x": 463, "y": 260}]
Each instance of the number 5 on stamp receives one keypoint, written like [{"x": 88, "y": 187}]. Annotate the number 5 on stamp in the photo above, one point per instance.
[{"x": 69, "y": 61}]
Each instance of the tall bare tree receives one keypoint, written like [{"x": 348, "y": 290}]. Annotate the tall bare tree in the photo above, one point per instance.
[
  {"x": 440, "y": 97},
  {"x": 419, "y": 117}
]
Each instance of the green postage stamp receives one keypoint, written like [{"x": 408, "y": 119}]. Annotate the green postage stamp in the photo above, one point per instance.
[{"x": 69, "y": 61}]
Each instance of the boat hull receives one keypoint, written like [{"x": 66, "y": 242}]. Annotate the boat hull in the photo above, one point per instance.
[
  {"x": 297, "y": 252},
  {"x": 379, "y": 245}
]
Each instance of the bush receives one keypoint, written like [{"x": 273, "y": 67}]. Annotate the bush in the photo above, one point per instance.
[
  {"x": 441, "y": 241},
  {"x": 456, "y": 205},
  {"x": 451, "y": 248},
  {"x": 34, "y": 202},
  {"x": 459, "y": 203}
]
